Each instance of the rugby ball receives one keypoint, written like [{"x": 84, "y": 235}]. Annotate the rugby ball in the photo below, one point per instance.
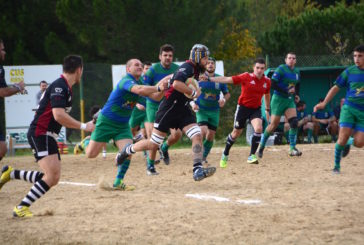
[{"x": 192, "y": 83}]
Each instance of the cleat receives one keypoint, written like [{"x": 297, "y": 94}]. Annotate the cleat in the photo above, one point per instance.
[
  {"x": 252, "y": 159},
  {"x": 164, "y": 156},
  {"x": 123, "y": 187},
  {"x": 346, "y": 151},
  {"x": 151, "y": 171},
  {"x": 5, "y": 175},
  {"x": 22, "y": 212},
  {"x": 122, "y": 155},
  {"x": 223, "y": 161},
  {"x": 120, "y": 185},
  {"x": 336, "y": 171},
  {"x": 295, "y": 152},
  {"x": 202, "y": 173},
  {"x": 260, "y": 152},
  {"x": 78, "y": 149}
]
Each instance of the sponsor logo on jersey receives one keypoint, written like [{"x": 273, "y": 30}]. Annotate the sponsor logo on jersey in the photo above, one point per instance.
[
  {"x": 252, "y": 82},
  {"x": 58, "y": 90},
  {"x": 359, "y": 90},
  {"x": 265, "y": 85}
]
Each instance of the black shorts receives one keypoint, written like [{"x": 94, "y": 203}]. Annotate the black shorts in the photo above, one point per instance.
[
  {"x": 2, "y": 133},
  {"x": 173, "y": 116},
  {"x": 43, "y": 145},
  {"x": 243, "y": 113}
]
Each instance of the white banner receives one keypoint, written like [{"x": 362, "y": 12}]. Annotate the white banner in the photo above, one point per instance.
[
  {"x": 119, "y": 71},
  {"x": 20, "y": 108}
]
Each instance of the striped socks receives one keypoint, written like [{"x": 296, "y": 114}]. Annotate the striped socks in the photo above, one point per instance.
[
  {"x": 338, "y": 152},
  {"x": 292, "y": 138},
  {"x": 36, "y": 192},
  {"x": 122, "y": 169},
  {"x": 29, "y": 176}
]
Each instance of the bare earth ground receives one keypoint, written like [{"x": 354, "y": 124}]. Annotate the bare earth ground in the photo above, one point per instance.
[{"x": 302, "y": 202}]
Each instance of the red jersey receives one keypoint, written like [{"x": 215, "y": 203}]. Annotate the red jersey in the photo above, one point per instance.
[{"x": 252, "y": 89}]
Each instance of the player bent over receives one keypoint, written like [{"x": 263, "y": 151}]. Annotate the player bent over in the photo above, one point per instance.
[
  {"x": 113, "y": 120},
  {"x": 50, "y": 116}
]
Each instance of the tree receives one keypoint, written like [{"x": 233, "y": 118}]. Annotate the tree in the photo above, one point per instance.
[
  {"x": 308, "y": 32},
  {"x": 118, "y": 30},
  {"x": 30, "y": 32}
]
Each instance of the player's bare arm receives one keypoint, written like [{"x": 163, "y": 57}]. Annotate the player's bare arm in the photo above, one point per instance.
[
  {"x": 62, "y": 117},
  {"x": 331, "y": 94},
  {"x": 183, "y": 88},
  {"x": 11, "y": 90}
]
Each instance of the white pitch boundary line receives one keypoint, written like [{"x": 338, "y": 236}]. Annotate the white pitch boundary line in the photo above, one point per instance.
[
  {"x": 76, "y": 183},
  {"x": 224, "y": 199}
]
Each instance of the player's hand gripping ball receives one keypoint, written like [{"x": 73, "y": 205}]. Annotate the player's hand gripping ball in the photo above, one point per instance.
[{"x": 193, "y": 84}]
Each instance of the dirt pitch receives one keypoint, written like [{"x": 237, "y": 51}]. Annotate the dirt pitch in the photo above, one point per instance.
[{"x": 301, "y": 202}]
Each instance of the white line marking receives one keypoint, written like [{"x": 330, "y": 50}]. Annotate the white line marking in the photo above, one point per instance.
[
  {"x": 224, "y": 199},
  {"x": 249, "y": 201},
  {"x": 207, "y": 197},
  {"x": 75, "y": 183}
]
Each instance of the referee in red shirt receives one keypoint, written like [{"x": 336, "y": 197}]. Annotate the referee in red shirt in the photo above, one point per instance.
[{"x": 253, "y": 87}]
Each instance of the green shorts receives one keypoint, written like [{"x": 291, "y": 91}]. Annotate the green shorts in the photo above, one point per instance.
[
  {"x": 137, "y": 118},
  {"x": 151, "y": 109},
  {"x": 279, "y": 105},
  {"x": 208, "y": 118},
  {"x": 107, "y": 129},
  {"x": 351, "y": 117}
]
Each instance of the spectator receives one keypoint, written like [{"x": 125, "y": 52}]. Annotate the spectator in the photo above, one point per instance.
[
  {"x": 324, "y": 119},
  {"x": 43, "y": 85}
]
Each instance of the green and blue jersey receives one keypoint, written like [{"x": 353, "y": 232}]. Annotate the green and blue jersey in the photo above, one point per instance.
[
  {"x": 210, "y": 94},
  {"x": 286, "y": 78},
  {"x": 323, "y": 114},
  {"x": 301, "y": 114},
  {"x": 156, "y": 73},
  {"x": 353, "y": 80},
  {"x": 121, "y": 101}
]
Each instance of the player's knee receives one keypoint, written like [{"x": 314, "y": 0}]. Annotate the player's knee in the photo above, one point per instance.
[
  {"x": 293, "y": 122},
  {"x": 194, "y": 132},
  {"x": 53, "y": 178},
  {"x": 310, "y": 125},
  {"x": 156, "y": 141},
  {"x": 258, "y": 129},
  {"x": 90, "y": 153},
  {"x": 210, "y": 135}
]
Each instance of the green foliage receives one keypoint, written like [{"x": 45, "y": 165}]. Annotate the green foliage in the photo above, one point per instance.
[
  {"x": 120, "y": 29},
  {"x": 236, "y": 43},
  {"x": 24, "y": 27},
  {"x": 308, "y": 32}
]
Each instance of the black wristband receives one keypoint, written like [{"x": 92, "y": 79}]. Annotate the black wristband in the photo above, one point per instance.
[
  {"x": 267, "y": 109},
  {"x": 158, "y": 88}
]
